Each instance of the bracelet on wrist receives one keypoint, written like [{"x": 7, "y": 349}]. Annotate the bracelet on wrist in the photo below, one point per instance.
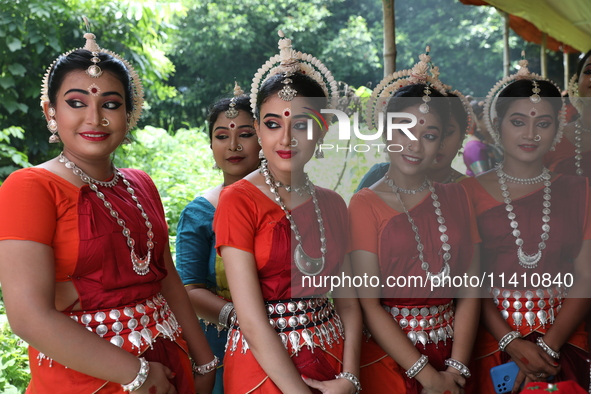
[
  {"x": 464, "y": 371},
  {"x": 206, "y": 368},
  {"x": 351, "y": 378},
  {"x": 417, "y": 367},
  {"x": 552, "y": 353},
  {"x": 225, "y": 313},
  {"x": 141, "y": 377},
  {"x": 508, "y": 338}
]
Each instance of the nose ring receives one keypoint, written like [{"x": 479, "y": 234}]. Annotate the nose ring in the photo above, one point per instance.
[
  {"x": 105, "y": 122},
  {"x": 538, "y": 138},
  {"x": 239, "y": 148},
  {"x": 408, "y": 147},
  {"x": 294, "y": 143}
]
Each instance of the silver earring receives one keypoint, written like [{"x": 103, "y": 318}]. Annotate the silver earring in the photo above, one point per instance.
[
  {"x": 54, "y": 138},
  {"x": 538, "y": 138},
  {"x": 294, "y": 143},
  {"x": 127, "y": 139},
  {"x": 239, "y": 148},
  {"x": 105, "y": 122},
  {"x": 319, "y": 154},
  {"x": 215, "y": 167}
]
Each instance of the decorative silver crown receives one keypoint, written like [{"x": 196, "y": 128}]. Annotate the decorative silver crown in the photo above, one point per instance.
[
  {"x": 490, "y": 113},
  {"x": 289, "y": 62},
  {"x": 421, "y": 73},
  {"x": 95, "y": 71}
]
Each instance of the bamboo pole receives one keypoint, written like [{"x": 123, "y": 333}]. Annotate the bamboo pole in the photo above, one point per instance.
[
  {"x": 543, "y": 57},
  {"x": 389, "y": 37},
  {"x": 506, "y": 53}
]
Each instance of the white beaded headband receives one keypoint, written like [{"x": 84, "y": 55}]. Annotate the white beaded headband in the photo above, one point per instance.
[
  {"x": 490, "y": 113},
  {"x": 419, "y": 74},
  {"x": 95, "y": 72},
  {"x": 573, "y": 93},
  {"x": 289, "y": 62}
]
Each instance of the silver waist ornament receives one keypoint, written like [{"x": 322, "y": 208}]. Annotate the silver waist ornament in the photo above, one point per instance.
[
  {"x": 141, "y": 265},
  {"x": 305, "y": 264},
  {"x": 527, "y": 260},
  {"x": 445, "y": 269}
]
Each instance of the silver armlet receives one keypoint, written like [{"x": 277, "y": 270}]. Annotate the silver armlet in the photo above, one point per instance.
[
  {"x": 141, "y": 377},
  {"x": 417, "y": 367},
  {"x": 508, "y": 338},
  {"x": 464, "y": 371},
  {"x": 351, "y": 378},
  {"x": 206, "y": 368}
]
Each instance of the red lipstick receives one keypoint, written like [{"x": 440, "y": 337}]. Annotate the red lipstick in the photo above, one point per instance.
[{"x": 286, "y": 154}]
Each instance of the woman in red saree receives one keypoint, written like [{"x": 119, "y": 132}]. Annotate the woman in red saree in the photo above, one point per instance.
[
  {"x": 87, "y": 276},
  {"x": 572, "y": 155},
  {"x": 421, "y": 340},
  {"x": 536, "y": 242},
  {"x": 288, "y": 337}
]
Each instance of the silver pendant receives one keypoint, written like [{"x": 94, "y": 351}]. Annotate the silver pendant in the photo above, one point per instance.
[
  {"x": 444, "y": 272},
  {"x": 294, "y": 340},
  {"x": 527, "y": 260},
  {"x": 306, "y": 264}
]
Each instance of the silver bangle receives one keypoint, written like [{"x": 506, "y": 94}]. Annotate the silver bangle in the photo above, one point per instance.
[
  {"x": 141, "y": 377},
  {"x": 552, "y": 353},
  {"x": 225, "y": 313},
  {"x": 464, "y": 371},
  {"x": 417, "y": 367},
  {"x": 508, "y": 338},
  {"x": 206, "y": 368},
  {"x": 351, "y": 378}
]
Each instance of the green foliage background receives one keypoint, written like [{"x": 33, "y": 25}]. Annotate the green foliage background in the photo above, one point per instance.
[{"x": 190, "y": 52}]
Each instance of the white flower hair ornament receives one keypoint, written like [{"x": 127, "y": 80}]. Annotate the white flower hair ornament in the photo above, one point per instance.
[
  {"x": 95, "y": 71},
  {"x": 490, "y": 113},
  {"x": 573, "y": 93},
  {"x": 289, "y": 62},
  {"x": 421, "y": 73}
]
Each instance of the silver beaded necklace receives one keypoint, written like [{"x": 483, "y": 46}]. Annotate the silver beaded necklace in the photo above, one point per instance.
[
  {"x": 141, "y": 265},
  {"x": 445, "y": 269},
  {"x": 305, "y": 264},
  {"x": 526, "y": 260},
  {"x": 579, "y": 129},
  {"x": 393, "y": 186}
]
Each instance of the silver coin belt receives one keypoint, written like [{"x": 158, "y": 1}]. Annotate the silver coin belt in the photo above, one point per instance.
[
  {"x": 132, "y": 327},
  {"x": 534, "y": 308},
  {"x": 425, "y": 324},
  {"x": 297, "y": 322}
]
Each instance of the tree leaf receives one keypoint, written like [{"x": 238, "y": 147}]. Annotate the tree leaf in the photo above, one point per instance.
[
  {"x": 17, "y": 69},
  {"x": 14, "y": 44}
]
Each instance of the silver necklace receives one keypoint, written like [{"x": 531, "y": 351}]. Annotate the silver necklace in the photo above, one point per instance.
[
  {"x": 300, "y": 190},
  {"x": 527, "y": 260},
  {"x": 520, "y": 181},
  {"x": 445, "y": 269},
  {"x": 579, "y": 129},
  {"x": 399, "y": 189},
  {"x": 141, "y": 265},
  {"x": 305, "y": 264}
]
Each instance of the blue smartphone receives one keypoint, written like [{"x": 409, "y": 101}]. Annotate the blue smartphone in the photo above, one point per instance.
[{"x": 503, "y": 377}]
